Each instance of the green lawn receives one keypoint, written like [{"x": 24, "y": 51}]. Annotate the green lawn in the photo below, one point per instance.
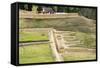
[
  {"x": 35, "y": 54},
  {"x": 31, "y": 36}
]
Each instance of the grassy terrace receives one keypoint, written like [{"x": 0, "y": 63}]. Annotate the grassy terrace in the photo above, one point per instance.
[
  {"x": 84, "y": 32},
  {"x": 69, "y": 24},
  {"x": 75, "y": 56},
  {"x": 31, "y": 36},
  {"x": 26, "y": 14},
  {"x": 79, "y": 51},
  {"x": 35, "y": 54},
  {"x": 87, "y": 40}
]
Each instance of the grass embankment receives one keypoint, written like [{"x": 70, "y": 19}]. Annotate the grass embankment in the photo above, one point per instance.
[
  {"x": 31, "y": 36},
  {"x": 35, "y": 54}
]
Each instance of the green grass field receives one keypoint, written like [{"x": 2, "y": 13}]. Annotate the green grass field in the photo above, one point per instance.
[
  {"x": 31, "y": 36},
  {"x": 35, "y": 54}
]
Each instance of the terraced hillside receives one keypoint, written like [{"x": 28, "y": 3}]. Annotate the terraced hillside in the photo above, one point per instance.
[
  {"x": 74, "y": 46},
  {"x": 62, "y": 46},
  {"x": 79, "y": 23},
  {"x": 65, "y": 39},
  {"x": 79, "y": 39}
]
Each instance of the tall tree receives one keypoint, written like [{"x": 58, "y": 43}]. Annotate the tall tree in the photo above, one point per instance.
[{"x": 88, "y": 12}]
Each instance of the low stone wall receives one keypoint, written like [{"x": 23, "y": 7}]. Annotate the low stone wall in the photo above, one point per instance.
[{"x": 30, "y": 14}]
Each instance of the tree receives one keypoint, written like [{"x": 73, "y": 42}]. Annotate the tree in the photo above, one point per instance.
[
  {"x": 88, "y": 12},
  {"x": 39, "y": 9},
  {"x": 27, "y": 7}
]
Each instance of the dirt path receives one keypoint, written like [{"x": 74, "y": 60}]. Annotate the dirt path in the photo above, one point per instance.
[{"x": 53, "y": 45}]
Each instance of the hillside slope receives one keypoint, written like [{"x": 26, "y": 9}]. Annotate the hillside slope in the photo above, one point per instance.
[{"x": 79, "y": 23}]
